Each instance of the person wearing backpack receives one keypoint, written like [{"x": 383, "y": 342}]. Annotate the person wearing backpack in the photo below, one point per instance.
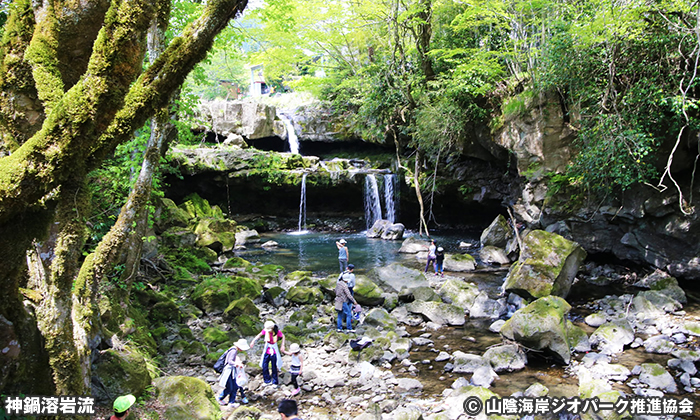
[{"x": 232, "y": 366}]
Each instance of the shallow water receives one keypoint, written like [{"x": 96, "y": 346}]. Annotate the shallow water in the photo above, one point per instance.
[{"x": 317, "y": 252}]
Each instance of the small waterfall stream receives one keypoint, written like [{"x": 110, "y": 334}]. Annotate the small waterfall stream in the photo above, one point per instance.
[
  {"x": 373, "y": 209},
  {"x": 390, "y": 190},
  {"x": 302, "y": 207},
  {"x": 292, "y": 138}
]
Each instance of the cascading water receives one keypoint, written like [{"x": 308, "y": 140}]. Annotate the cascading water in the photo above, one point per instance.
[
  {"x": 292, "y": 138},
  {"x": 390, "y": 181},
  {"x": 373, "y": 209},
  {"x": 302, "y": 207}
]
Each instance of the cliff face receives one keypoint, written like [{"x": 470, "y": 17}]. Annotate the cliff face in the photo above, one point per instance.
[{"x": 642, "y": 225}]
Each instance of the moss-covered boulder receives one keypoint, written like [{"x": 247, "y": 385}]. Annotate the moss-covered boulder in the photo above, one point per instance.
[
  {"x": 303, "y": 315},
  {"x": 217, "y": 242},
  {"x": 578, "y": 339},
  {"x": 379, "y": 317},
  {"x": 506, "y": 358},
  {"x": 236, "y": 262},
  {"x": 213, "y": 336},
  {"x": 186, "y": 398},
  {"x": 170, "y": 215},
  {"x": 178, "y": 237},
  {"x": 367, "y": 293},
  {"x": 459, "y": 293},
  {"x": 497, "y": 234},
  {"x": 542, "y": 325},
  {"x": 426, "y": 294},
  {"x": 437, "y": 312},
  {"x": 118, "y": 373},
  {"x": 299, "y": 276},
  {"x": 547, "y": 265},
  {"x": 195, "y": 348},
  {"x": 271, "y": 273},
  {"x": 245, "y": 413},
  {"x": 664, "y": 283},
  {"x": 247, "y": 325},
  {"x": 459, "y": 262},
  {"x": 275, "y": 295},
  {"x": 197, "y": 207},
  {"x": 164, "y": 312},
  {"x": 305, "y": 295},
  {"x": 240, "y": 307},
  {"x": 214, "y": 293}
]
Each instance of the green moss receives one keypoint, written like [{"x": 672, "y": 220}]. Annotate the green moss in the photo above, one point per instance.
[
  {"x": 303, "y": 314},
  {"x": 299, "y": 275},
  {"x": 247, "y": 325},
  {"x": 164, "y": 312},
  {"x": 191, "y": 259},
  {"x": 121, "y": 373},
  {"x": 241, "y": 306},
  {"x": 214, "y": 336},
  {"x": 236, "y": 262},
  {"x": 195, "y": 348},
  {"x": 186, "y": 333},
  {"x": 196, "y": 207},
  {"x": 266, "y": 272},
  {"x": 305, "y": 295},
  {"x": 215, "y": 293},
  {"x": 463, "y": 258},
  {"x": 159, "y": 333}
]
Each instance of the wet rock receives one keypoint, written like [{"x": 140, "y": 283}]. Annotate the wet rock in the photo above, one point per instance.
[
  {"x": 438, "y": 312},
  {"x": 596, "y": 319},
  {"x": 536, "y": 390},
  {"x": 378, "y": 228},
  {"x": 657, "y": 377},
  {"x": 246, "y": 237},
  {"x": 497, "y": 234},
  {"x": 664, "y": 283},
  {"x": 459, "y": 293},
  {"x": 685, "y": 365},
  {"x": 497, "y": 325},
  {"x": 493, "y": 255},
  {"x": 660, "y": 344},
  {"x": 693, "y": 328},
  {"x": 413, "y": 245},
  {"x": 467, "y": 363},
  {"x": 547, "y": 266},
  {"x": 396, "y": 277},
  {"x": 612, "y": 337},
  {"x": 661, "y": 301},
  {"x": 484, "y": 376},
  {"x": 421, "y": 341},
  {"x": 578, "y": 339},
  {"x": 506, "y": 358},
  {"x": 459, "y": 262},
  {"x": 485, "y": 307},
  {"x": 186, "y": 398},
  {"x": 409, "y": 385},
  {"x": 305, "y": 295},
  {"x": 379, "y": 317},
  {"x": 442, "y": 357},
  {"x": 401, "y": 315},
  {"x": 541, "y": 325},
  {"x": 425, "y": 293}
]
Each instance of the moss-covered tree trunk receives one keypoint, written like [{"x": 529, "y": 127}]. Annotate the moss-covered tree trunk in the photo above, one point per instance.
[{"x": 83, "y": 114}]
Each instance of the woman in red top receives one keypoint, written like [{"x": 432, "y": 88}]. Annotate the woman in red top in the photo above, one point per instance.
[{"x": 271, "y": 354}]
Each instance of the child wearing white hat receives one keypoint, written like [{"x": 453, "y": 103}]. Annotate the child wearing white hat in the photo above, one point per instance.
[{"x": 297, "y": 365}]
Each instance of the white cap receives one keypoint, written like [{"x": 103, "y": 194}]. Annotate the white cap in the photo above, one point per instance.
[
  {"x": 269, "y": 325},
  {"x": 440, "y": 249},
  {"x": 342, "y": 241},
  {"x": 294, "y": 348}
]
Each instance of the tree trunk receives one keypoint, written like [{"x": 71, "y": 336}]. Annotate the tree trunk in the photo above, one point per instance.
[{"x": 416, "y": 181}]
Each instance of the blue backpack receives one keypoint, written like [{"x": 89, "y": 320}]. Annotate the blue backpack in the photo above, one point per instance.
[{"x": 219, "y": 365}]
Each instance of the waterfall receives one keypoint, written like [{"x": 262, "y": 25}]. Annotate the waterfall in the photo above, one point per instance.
[
  {"x": 302, "y": 206},
  {"x": 373, "y": 210},
  {"x": 292, "y": 138},
  {"x": 390, "y": 190}
]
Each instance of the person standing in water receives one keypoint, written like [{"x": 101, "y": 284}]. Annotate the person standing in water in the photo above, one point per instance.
[
  {"x": 431, "y": 255},
  {"x": 343, "y": 254}
]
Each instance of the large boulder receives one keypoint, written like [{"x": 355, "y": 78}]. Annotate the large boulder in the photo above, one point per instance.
[
  {"x": 379, "y": 317},
  {"x": 413, "y": 245},
  {"x": 378, "y": 228},
  {"x": 367, "y": 292},
  {"x": 213, "y": 294},
  {"x": 493, "y": 255},
  {"x": 119, "y": 373},
  {"x": 547, "y": 266},
  {"x": 396, "y": 277},
  {"x": 485, "y": 307},
  {"x": 187, "y": 398},
  {"x": 657, "y": 377},
  {"x": 245, "y": 237},
  {"x": 168, "y": 215},
  {"x": 662, "y": 282},
  {"x": 498, "y": 233},
  {"x": 459, "y": 262},
  {"x": 458, "y": 293},
  {"x": 542, "y": 325},
  {"x": 240, "y": 307},
  {"x": 251, "y": 120},
  {"x": 305, "y": 295},
  {"x": 394, "y": 232},
  {"x": 438, "y": 312}
]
